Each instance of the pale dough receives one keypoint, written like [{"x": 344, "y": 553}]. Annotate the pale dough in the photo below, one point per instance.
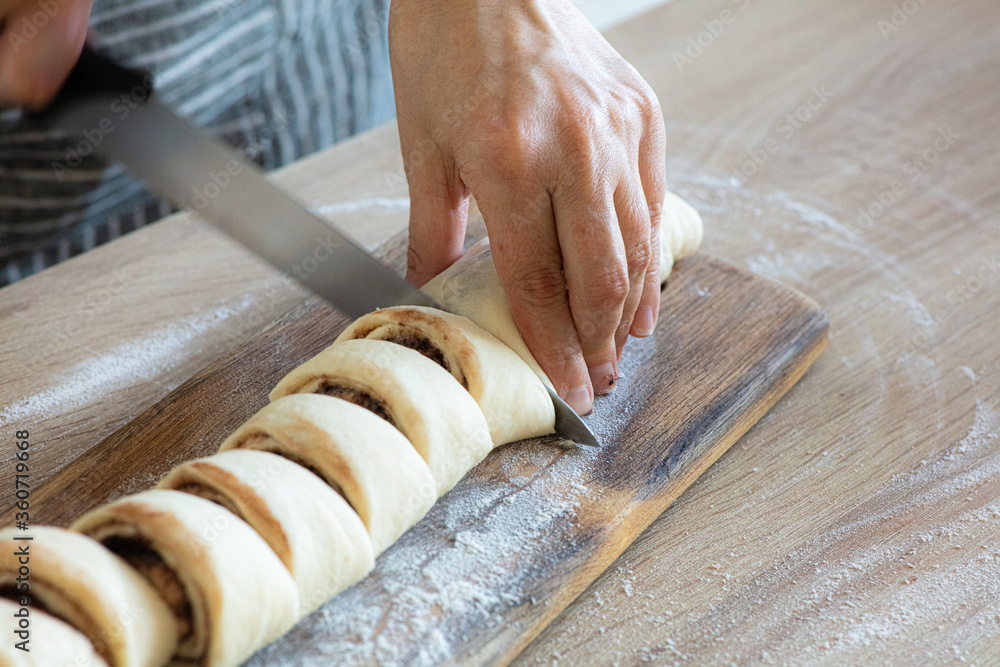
[
  {"x": 420, "y": 398},
  {"x": 510, "y": 395},
  {"x": 53, "y": 643},
  {"x": 357, "y": 453},
  {"x": 76, "y": 579},
  {"x": 201, "y": 557},
  {"x": 311, "y": 528}
]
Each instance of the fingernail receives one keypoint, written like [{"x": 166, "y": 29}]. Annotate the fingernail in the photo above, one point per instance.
[
  {"x": 579, "y": 399},
  {"x": 643, "y": 323},
  {"x": 603, "y": 378}
]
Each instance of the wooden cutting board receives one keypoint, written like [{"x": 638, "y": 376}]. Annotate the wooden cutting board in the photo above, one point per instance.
[{"x": 528, "y": 529}]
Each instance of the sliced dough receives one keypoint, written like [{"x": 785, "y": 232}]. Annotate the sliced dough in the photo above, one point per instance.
[
  {"x": 413, "y": 393},
  {"x": 356, "y": 453},
  {"x": 510, "y": 395},
  {"x": 79, "y": 581},
  {"x": 311, "y": 528},
  {"x": 471, "y": 287},
  {"x": 230, "y": 593},
  {"x": 52, "y": 643}
]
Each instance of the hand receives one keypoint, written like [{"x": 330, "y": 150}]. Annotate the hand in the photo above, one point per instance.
[
  {"x": 40, "y": 41},
  {"x": 523, "y": 104}
]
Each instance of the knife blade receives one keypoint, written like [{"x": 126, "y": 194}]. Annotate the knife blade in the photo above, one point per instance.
[{"x": 180, "y": 162}]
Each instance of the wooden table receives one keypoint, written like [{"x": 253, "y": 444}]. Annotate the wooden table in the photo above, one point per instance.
[{"x": 850, "y": 150}]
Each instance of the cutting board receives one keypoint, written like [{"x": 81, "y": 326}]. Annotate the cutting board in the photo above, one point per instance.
[{"x": 532, "y": 525}]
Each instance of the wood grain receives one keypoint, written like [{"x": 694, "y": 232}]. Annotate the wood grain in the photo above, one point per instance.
[{"x": 729, "y": 344}]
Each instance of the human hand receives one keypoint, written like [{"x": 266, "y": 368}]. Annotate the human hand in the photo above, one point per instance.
[
  {"x": 40, "y": 42},
  {"x": 523, "y": 104}
]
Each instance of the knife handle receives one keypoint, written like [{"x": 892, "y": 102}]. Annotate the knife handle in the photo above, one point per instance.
[{"x": 98, "y": 74}]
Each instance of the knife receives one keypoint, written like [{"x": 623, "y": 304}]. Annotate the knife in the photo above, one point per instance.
[{"x": 115, "y": 112}]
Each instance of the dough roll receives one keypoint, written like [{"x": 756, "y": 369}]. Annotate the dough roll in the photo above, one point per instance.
[
  {"x": 471, "y": 286},
  {"x": 429, "y": 406},
  {"x": 681, "y": 232},
  {"x": 76, "y": 579},
  {"x": 53, "y": 643},
  {"x": 511, "y": 396},
  {"x": 228, "y": 591},
  {"x": 311, "y": 528},
  {"x": 358, "y": 454}
]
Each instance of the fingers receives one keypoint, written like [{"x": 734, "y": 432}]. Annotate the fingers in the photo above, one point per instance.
[
  {"x": 597, "y": 275},
  {"x": 526, "y": 254},
  {"x": 634, "y": 223},
  {"x": 652, "y": 175},
  {"x": 439, "y": 209},
  {"x": 38, "y": 48}
]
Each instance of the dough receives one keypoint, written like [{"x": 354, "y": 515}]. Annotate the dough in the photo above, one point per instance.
[
  {"x": 311, "y": 528},
  {"x": 512, "y": 398},
  {"x": 413, "y": 393},
  {"x": 229, "y": 592},
  {"x": 471, "y": 287},
  {"x": 53, "y": 643},
  {"x": 77, "y": 580},
  {"x": 358, "y": 454},
  {"x": 680, "y": 233}
]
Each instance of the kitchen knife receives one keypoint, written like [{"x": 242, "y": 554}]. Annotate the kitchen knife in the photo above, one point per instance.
[{"x": 114, "y": 112}]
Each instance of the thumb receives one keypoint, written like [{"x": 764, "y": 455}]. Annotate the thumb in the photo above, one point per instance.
[
  {"x": 39, "y": 48},
  {"x": 439, "y": 211}
]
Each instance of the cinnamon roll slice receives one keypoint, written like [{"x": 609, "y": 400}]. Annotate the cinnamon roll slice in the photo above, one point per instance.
[
  {"x": 47, "y": 641},
  {"x": 361, "y": 456},
  {"x": 79, "y": 581},
  {"x": 511, "y": 396},
  {"x": 408, "y": 390},
  {"x": 229, "y": 592},
  {"x": 311, "y": 528}
]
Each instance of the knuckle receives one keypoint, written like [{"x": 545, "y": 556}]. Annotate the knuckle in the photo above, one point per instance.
[
  {"x": 539, "y": 288},
  {"x": 513, "y": 152},
  {"x": 640, "y": 255},
  {"x": 607, "y": 290}
]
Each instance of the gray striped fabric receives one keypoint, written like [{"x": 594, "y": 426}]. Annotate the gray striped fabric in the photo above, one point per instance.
[{"x": 278, "y": 79}]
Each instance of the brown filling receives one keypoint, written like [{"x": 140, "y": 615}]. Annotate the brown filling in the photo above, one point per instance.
[
  {"x": 416, "y": 341},
  {"x": 82, "y": 621},
  {"x": 139, "y": 554},
  {"x": 12, "y": 594},
  {"x": 357, "y": 396},
  {"x": 209, "y": 493}
]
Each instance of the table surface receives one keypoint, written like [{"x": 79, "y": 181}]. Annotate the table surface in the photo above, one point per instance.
[{"x": 850, "y": 150}]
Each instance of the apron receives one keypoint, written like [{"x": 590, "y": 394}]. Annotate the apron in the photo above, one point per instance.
[{"x": 277, "y": 79}]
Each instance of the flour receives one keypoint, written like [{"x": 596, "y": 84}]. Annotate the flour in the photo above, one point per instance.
[
  {"x": 114, "y": 369},
  {"x": 394, "y": 203}
]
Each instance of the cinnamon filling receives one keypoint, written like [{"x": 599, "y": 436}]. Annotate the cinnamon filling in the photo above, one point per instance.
[
  {"x": 140, "y": 554},
  {"x": 11, "y": 593},
  {"x": 416, "y": 341},
  {"x": 209, "y": 493},
  {"x": 357, "y": 396}
]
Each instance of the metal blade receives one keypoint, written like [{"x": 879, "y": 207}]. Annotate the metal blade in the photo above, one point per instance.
[
  {"x": 194, "y": 171},
  {"x": 197, "y": 173}
]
